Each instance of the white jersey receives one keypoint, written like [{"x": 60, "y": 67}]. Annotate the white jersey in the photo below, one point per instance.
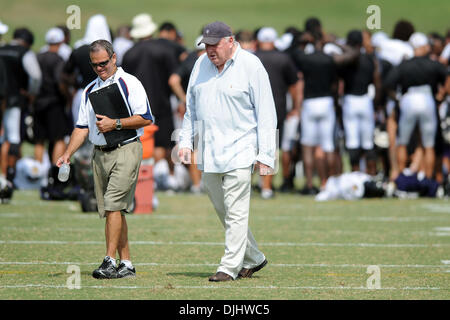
[
  {"x": 395, "y": 51},
  {"x": 347, "y": 186},
  {"x": 121, "y": 46},
  {"x": 446, "y": 52}
]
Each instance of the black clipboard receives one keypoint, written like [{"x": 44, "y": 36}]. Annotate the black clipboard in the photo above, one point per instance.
[{"x": 108, "y": 101}]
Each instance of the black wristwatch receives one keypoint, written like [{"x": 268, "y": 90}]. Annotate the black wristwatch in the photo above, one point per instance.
[{"x": 118, "y": 124}]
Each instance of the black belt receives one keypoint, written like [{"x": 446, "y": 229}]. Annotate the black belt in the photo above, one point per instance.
[{"x": 111, "y": 148}]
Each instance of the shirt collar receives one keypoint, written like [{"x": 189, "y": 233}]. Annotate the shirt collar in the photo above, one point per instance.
[
  {"x": 236, "y": 52},
  {"x": 233, "y": 58},
  {"x": 111, "y": 79},
  {"x": 238, "y": 49}
]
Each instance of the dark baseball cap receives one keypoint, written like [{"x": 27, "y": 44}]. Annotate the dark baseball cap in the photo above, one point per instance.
[{"x": 213, "y": 32}]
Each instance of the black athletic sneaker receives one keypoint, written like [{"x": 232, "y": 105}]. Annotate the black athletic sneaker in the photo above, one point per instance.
[
  {"x": 287, "y": 186},
  {"x": 124, "y": 272},
  {"x": 309, "y": 191},
  {"x": 105, "y": 271}
]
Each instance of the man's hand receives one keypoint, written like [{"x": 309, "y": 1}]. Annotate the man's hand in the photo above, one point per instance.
[
  {"x": 264, "y": 170},
  {"x": 181, "y": 110},
  {"x": 65, "y": 158},
  {"x": 105, "y": 124},
  {"x": 185, "y": 155}
]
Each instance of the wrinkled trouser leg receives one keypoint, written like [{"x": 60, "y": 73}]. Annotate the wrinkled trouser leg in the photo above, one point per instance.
[{"x": 230, "y": 194}]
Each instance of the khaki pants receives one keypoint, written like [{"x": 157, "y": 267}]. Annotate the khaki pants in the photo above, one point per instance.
[
  {"x": 230, "y": 194},
  {"x": 115, "y": 177}
]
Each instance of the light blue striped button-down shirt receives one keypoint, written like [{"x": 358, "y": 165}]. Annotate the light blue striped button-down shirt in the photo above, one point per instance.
[{"x": 233, "y": 113}]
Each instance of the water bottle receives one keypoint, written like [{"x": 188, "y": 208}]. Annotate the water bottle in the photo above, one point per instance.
[{"x": 63, "y": 173}]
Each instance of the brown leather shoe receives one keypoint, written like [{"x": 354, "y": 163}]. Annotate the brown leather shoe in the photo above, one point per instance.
[
  {"x": 220, "y": 276},
  {"x": 247, "y": 273}
]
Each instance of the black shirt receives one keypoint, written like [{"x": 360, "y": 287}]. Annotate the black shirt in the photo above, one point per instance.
[
  {"x": 3, "y": 81},
  {"x": 416, "y": 71},
  {"x": 79, "y": 62},
  {"x": 282, "y": 74},
  {"x": 152, "y": 63},
  {"x": 319, "y": 72},
  {"x": 174, "y": 47},
  {"x": 49, "y": 94},
  {"x": 358, "y": 75},
  {"x": 185, "y": 68},
  {"x": 12, "y": 57}
]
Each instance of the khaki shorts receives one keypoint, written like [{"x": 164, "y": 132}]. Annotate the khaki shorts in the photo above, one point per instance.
[{"x": 115, "y": 177}]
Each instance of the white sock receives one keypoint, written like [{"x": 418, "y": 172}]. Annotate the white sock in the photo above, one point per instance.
[
  {"x": 127, "y": 263},
  {"x": 112, "y": 260}
]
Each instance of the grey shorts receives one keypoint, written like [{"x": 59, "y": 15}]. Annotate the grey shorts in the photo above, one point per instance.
[{"x": 115, "y": 177}]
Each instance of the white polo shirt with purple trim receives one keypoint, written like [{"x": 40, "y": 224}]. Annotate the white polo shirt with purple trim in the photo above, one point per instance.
[{"x": 133, "y": 93}]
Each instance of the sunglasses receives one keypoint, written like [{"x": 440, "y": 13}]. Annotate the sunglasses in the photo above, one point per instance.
[{"x": 100, "y": 64}]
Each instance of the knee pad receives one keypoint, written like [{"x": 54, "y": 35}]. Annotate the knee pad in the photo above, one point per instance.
[
  {"x": 355, "y": 155},
  {"x": 14, "y": 150}
]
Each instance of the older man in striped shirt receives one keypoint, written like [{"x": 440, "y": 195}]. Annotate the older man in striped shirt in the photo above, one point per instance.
[{"x": 230, "y": 106}]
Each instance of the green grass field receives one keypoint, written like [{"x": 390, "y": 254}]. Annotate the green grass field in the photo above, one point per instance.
[
  {"x": 337, "y": 16},
  {"x": 315, "y": 250}
]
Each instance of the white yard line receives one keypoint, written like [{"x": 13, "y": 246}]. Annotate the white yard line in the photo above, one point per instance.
[
  {"x": 10, "y": 215},
  {"x": 33, "y": 228},
  {"x": 280, "y": 265},
  {"x": 253, "y": 217},
  {"x": 218, "y": 287},
  {"x": 266, "y": 244},
  {"x": 135, "y": 228},
  {"x": 438, "y": 231},
  {"x": 436, "y": 207},
  {"x": 439, "y": 234},
  {"x": 443, "y": 229},
  {"x": 402, "y": 219}
]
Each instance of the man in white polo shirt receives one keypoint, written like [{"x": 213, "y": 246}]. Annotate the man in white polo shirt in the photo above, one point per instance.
[
  {"x": 115, "y": 167},
  {"x": 229, "y": 101}
]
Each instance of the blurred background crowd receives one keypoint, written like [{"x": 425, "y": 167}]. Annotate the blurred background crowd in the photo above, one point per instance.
[{"x": 371, "y": 103}]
